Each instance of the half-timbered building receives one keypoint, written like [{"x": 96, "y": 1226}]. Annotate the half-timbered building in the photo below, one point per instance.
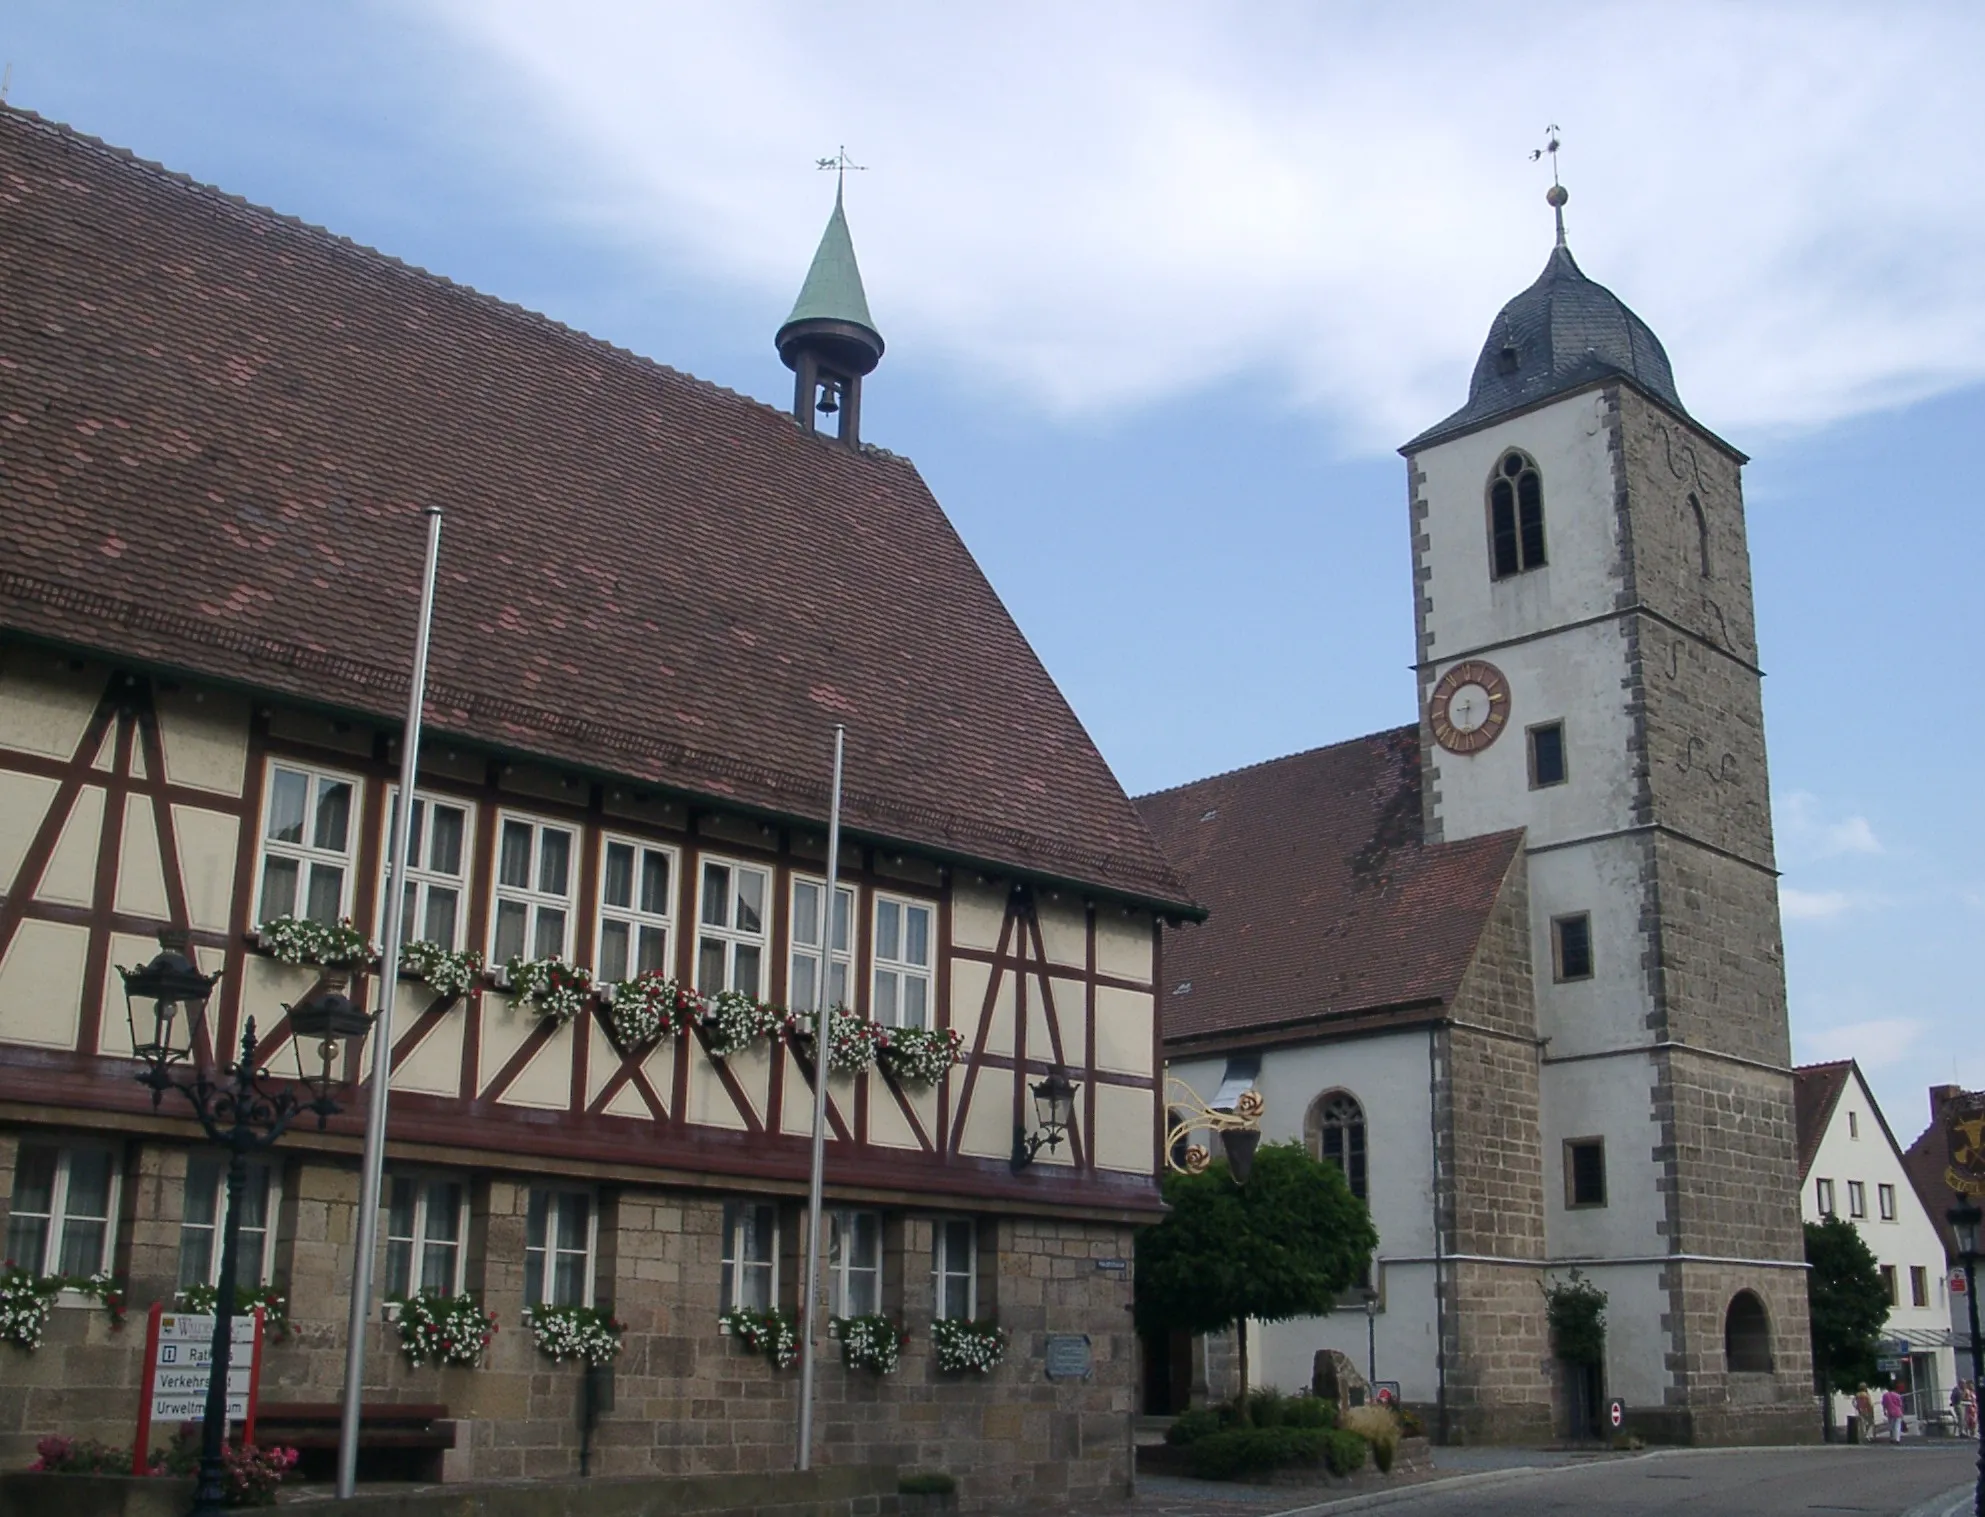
[{"x": 219, "y": 432}]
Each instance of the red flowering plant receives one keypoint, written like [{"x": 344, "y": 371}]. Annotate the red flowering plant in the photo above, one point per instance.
[
  {"x": 649, "y": 1007},
  {"x": 250, "y": 1473},
  {"x": 56, "y": 1455}
]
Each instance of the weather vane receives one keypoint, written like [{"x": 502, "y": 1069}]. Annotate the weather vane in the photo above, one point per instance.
[
  {"x": 1557, "y": 194},
  {"x": 840, "y": 163}
]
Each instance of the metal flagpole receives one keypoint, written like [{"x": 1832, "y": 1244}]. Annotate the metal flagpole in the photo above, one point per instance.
[
  {"x": 822, "y": 1048},
  {"x": 382, "y": 1031}
]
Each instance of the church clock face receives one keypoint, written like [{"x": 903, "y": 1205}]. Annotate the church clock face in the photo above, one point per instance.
[{"x": 1470, "y": 707}]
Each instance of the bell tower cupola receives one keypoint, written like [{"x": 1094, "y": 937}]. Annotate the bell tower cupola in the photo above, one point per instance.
[{"x": 830, "y": 341}]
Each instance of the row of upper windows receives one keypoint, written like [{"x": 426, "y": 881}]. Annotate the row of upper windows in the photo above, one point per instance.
[
  {"x": 1516, "y": 520},
  {"x": 65, "y": 1201},
  {"x": 308, "y": 865},
  {"x": 1857, "y": 1199}
]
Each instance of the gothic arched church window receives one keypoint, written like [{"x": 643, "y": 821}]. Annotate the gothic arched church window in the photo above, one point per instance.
[
  {"x": 1336, "y": 1132},
  {"x": 1516, "y": 516}
]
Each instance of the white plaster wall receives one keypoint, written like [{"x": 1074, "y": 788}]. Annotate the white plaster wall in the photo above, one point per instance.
[
  {"x": 1610, "y": 1009},
  {"x": 1611, "y": 1099},
  {"x": 1913, "y": 1239},
  {"x": 1636, "y": 1346}
]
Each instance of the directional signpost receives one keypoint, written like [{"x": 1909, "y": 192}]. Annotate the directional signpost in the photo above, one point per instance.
[{"x": 179, "y": 1353}]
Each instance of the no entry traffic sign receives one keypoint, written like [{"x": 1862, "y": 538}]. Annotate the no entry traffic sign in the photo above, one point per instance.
[{"x": 1616, "y": 1414}]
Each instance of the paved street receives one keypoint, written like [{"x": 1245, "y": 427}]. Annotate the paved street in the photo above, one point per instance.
[{"x": 1878, "y": 1481}]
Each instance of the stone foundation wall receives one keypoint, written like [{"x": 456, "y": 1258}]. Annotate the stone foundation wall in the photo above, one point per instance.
[
  {"x": 1741, "y": 1408},
  {"x": 686, "y": 1399}
]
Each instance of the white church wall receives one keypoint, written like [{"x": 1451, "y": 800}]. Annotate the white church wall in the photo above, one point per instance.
[
  {"x": 1610, "y": 1099},
  {"x": 1610, "y": 1009},
  {"x": 1636, "y": 1345}
]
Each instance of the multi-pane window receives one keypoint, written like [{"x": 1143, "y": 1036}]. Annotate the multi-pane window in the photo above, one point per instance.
[
  {"x": 902, "y": 963},
  {"x": 954, "y": 1267},
  {"x": 558, "y": 1249},
  {"x": 730, "y": 930},
  {"x": 854, "y": 1263},
  {"x": 1571, "y": 946},
  {"x": 1547, "y": 755},
  {"x": 1338, "y": 1125},
  {"x": 64, "y": 1199},
  {"x": 1885, "y": 1199},
  {"x": 204, "y": 1219},
  {"x": 1919, "y": 1285},
  {"x": 534, "y": 878},
  {"x": 805, "y": 965},
  {"x": 307, "y": 837},
  {"x": 1516, "y": 516},
  {"x": 751, "y": 1255},
  {"x": 426, "y": 1218},
  {"x": 1585, "y": 1172},
  {"x": 1823, "y": 1197},
  {"x": 1888, "y": 1285},
  {"x": 1857, "y": 1199},
  {"x": 437, "y": 879},
  {"x": 637, "y": 908}
]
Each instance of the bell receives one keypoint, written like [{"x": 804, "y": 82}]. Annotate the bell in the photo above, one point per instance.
[{"x": 830, "y": 397}]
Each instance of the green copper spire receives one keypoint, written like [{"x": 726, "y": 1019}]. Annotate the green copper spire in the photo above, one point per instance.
[{"x": 833, "y": 289}]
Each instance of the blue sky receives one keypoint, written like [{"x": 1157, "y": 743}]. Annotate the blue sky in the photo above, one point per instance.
[{"x": 1163, "y": 292}]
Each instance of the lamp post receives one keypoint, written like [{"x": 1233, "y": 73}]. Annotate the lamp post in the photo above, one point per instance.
[
  {"x": 1054, "y": 1110},
  {"x": 1964, "y": 1221},
  {"x": 166, "y": 1003}
]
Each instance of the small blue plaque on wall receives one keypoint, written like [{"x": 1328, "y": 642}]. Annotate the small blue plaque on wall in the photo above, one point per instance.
[{"x": 1069, "y": 1357}]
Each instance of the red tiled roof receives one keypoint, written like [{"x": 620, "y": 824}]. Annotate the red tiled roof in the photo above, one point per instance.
[
  {"x": 1816, "y": 1092},
  {"x": 219, "y": 426},
  {"x": 1324, "y": 899}
]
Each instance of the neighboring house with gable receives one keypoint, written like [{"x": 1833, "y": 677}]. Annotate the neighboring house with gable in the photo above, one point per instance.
[
  {"x": 1929, "y": 1161},
  {"x": 219, "y": 429}
]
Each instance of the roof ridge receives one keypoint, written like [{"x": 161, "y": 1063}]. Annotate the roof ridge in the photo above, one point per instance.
[
  {"x": 126, "y": 158},
  {"x": 1383, "y": 732},
  {"x": 1801, "y": 1069}
]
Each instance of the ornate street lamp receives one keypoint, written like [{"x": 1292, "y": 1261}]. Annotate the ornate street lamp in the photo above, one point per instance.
[
  {"x": 1054, "y": 1111},
  {"x": 1964, "y": 1221},
  {"x": 166, "y": 1002},
  {"x": 1239, "y": 1127}
]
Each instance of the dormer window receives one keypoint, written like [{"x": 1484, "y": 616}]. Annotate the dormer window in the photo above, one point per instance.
[
  {"x": 1506, "y": 361},
  {"x": 1516, "y": 517}
]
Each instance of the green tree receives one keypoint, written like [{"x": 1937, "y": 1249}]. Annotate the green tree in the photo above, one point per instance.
[
  {"x": 1286, "y": 1244},
  {"x": 1848, "y": 1305}
]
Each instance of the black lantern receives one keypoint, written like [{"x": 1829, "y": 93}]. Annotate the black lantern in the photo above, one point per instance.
[
  {"x": 1964, "y": 1228},
  {"x": 165, "y": 1004},
  {"x": 317, "y": 1026},
  {"x": 1054, "y": 1111}
]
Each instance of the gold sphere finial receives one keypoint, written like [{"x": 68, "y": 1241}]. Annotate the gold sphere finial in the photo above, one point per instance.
[{"x": 1556, "y": 196}]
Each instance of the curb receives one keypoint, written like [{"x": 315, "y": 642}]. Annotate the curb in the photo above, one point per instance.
[{"x": 1954, "y": 1502}]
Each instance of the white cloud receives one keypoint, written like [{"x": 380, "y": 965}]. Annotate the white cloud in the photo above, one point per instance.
[
  {"x": 1876, "y": 1043},
  {"x": 1098, "y": 205},
  {"x": 1812, "y": 905},
  {"x": 1806, "y": 833}
]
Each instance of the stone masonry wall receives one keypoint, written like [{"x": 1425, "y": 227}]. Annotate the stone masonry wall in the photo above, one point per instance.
[{"x": 686, "y": 1399}]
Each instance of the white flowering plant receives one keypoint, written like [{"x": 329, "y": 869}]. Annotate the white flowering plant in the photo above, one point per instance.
[
  {"x": 551, "y": 986},
  {"x": 25, "y": 1301},
  {"x": 298, "y": 940},
  {"x": 445, "y": 973},
  {"x": 732, "y": 1021},
  {"x": 444, "y": 1330},
  {"x": 966, "y": 1346},
  {"x": 872, "y": 1343},
  {"x": 584, "y": 1333},
  {"x": 198, "y": 1300},
  {"x": 851, "y": 1039},
  {"x": 648, "y": 1007},
  {"x": 774, "y": 1334},
  {"x": 918, "y": 1055}
]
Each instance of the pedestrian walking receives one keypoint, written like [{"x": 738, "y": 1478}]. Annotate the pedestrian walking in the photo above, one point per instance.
[
  {"x": 1970, "y": 1408},
  {"x": 1864, "y": 1412},
  {"x": 1957, "y": 1407},
  {"x": 1892, "y": 1411}
]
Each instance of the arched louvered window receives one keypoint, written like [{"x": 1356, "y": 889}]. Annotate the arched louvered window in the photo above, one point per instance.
[
  {"x": 1516, "y": 516},
  {"x": 1335, "y": 1130},
  {"x": 1701, "y": 524}
]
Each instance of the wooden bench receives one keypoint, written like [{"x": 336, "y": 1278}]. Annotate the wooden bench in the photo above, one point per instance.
[{"x": 397, "y": 1440}]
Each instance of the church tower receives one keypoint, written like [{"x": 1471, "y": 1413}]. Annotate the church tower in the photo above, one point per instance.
[
  {"x": 830, "y": 341},
  {"x": 1589, "y": 672}
]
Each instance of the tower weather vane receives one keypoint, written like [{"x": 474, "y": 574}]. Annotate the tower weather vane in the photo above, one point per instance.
[
  {"x": 1557, "y": 194},
  {"x": 840, "y": 163}
]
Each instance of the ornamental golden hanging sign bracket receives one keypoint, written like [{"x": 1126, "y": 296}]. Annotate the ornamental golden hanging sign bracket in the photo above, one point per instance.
[
  {"x": 1964, "y": 1131},
  {"x": 1239, "y": 1127}
]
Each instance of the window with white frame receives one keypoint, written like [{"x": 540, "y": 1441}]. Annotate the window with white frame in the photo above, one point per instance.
[
  {"x": 534, "y": 879},
  {"x": 437, "y": 880},
  {"x": 954, "y": 1267},
  {"x": 203, "y": 1218},
  {"x": 1857, "y": 1198},
  {"x": 427, "y": 1217},
  {"x": 1823, "y": 1197},
  {"x": 64, "y": 1199},
  {"x": 751, "y": 1256},
  {"x": 308, "y": 834},
  {"x": 1885, "y": 1198},
  {"x": 637, "y": 908},
  {"x": 730, "y": 930},
  {"x": 805, "y": 964},
  {"x": 854, "y": 1263},
  {"x": 558, "y": 1249},
  {"x": 902, "y": 962}
]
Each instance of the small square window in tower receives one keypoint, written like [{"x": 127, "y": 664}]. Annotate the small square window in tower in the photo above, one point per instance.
[
  {"x": 1585, "y": 1172},
  {"x": 1547, "y": 755},
  {"x": 1571, "y": 946}
]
